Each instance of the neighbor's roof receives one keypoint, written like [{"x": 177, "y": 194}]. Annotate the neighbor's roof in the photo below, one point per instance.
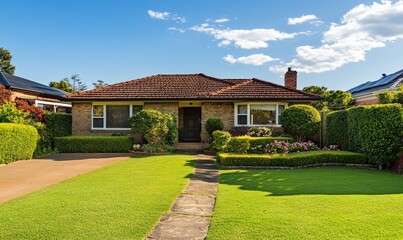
[
  {"x": 193, "y": 86},
  {"x": 384, "y": 83},
  {"x": 18, "y": 83}
]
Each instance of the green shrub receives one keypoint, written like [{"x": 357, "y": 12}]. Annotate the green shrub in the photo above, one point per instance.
[
  {"x": 257, "y": 144},
  {"x": 157, "y": 148},
  {"x": 213, "y": 124},
  {"x": 221, "y": 139},
  {"x": 93, "y": 144},
  {"x": 337, "y": 129},
  {"x": 17, "y": 142},
  {"x": 9, "y": 113},
  {"x": 290, "y": 160},
  {"x": 156, "y": 127},
  {"x": 376, "y": 131},
  {"x": 301, "y": 121},
  {"x": 59, "y": 124},
  {"x": 238, "y": 145}
]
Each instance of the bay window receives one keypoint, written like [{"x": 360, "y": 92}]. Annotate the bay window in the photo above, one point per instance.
[
  {"x": 258, "y": 114},
  {"x": 113, "y": 116}
]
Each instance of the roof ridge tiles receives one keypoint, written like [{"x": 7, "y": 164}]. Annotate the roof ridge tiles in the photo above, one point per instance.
[{"x": 287, "y": 88}]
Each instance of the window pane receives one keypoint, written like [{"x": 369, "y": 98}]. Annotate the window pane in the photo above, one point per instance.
[
  {"x": 281, "y": 108},
  {"x": 117, "y": 116},
  {"x": 242, "y": 109},
  {"x": 98, "y": 123},
  {"x": 98, "y": 110},
  {"x": 262, "y": 114},
  {"x": 242, "y": 119},
  {"x": 136, "y": 109}
]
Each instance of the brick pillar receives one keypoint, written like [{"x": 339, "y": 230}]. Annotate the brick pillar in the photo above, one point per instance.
[{"x": 290, "y": 79}]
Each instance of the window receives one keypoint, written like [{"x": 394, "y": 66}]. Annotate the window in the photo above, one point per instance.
[
  {"x": 242, "y": 114},
  {"x": 258, "y": 114},
  {"x": 113, "y": 116}
]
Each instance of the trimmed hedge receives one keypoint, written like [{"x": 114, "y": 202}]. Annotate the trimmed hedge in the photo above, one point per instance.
[
  {"x": 256, "y": 144},
  {"x": 93, "y": 144},
  {"x": 301, "y": 121},
  {"x": 17, "y": 142},
  {"x": 375, "y": 131},
  {"x": 290, "y": 160},
  {"x": 337, "y": 129},
  {"x": 59, "y": 124}
]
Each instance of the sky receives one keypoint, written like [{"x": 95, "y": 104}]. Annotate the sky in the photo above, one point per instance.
[{"x": 335, "y": 43}]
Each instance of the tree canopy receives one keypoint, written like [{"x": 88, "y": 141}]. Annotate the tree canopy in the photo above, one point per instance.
[
  {"x": 99, "y": 84},
  {"x": 391, "y": 96},
  {"x": 5, "y": 61},
  {"x": 332, "y": 99},
  {"x": 63, "y": 84}
]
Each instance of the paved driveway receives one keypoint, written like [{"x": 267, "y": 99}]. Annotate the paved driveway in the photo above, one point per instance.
[{"x": 22, "y": 177}]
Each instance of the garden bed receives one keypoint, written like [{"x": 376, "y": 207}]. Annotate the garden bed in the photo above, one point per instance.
[{"x": 293, "y": 160}]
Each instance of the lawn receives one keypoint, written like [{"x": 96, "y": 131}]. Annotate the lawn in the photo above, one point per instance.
[
  {"x": 120, "y": 201},
  {"x": 315, "y": 203}
]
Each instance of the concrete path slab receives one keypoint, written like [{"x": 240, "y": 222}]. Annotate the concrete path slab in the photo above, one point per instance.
[
  {"x": 190, "y": 215},
  {"x": 22, "y": 177}
]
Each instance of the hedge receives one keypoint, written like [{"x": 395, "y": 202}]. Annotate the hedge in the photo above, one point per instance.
[
  {"x": 290, "y": 160},
  {"x": 337, "y": 129},
  {"x": 256, "y": 144},
  {"x": 376, "y": 131},
  {"x": 92, "y": 144},
  {"x": 59, "y": 124},
  {"x": 17, "y": 142}
]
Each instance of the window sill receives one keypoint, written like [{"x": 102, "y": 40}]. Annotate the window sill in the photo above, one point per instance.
[
  {"x": 272, "y": 125},
  {"x": 109, "y": 129}
]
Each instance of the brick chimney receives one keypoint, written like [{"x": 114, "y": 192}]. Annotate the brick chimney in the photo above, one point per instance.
[{"x": 290, "y": 79}]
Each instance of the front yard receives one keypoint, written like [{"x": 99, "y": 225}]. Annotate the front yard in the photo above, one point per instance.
[
  {"x": 121, "y": 201},
  {"x": 315, "y": 203}
]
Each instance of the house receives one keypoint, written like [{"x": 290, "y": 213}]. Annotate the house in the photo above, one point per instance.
[
  {"x": 35, "y": 93},
  {"x": 365, "y": 94},
  {"x": 191, "y": 98}
]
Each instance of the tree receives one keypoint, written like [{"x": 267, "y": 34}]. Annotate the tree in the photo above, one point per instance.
[
  {"x": 78, "y": 85},
  {"x": 315, "y": 89},
  {"x": 63, "y": 84},
  {"x": 391, "y": 96},
  {"x": 332, "y": 99},
  {"x": 99, "y": 84},
  {"x": 5, "y": 61}
]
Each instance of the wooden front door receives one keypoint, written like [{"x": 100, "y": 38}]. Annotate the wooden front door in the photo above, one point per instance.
[{"x": 191, "y": 124}]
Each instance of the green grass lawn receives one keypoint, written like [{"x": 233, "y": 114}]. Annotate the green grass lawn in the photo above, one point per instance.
[
  {"x": 121, "y": 201},
  {"x": 315, "y": 203}
]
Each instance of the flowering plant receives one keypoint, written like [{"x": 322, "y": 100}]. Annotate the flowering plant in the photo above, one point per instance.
[
  {"x": 331, "y": 147},
  {"x": 286, "y": 147},
  {"x": 136, "y": 147},
  {"x": 259, "y": 132}
]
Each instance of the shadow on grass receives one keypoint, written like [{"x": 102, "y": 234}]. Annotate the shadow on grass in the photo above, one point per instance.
[{"x": 325, "y": 181}]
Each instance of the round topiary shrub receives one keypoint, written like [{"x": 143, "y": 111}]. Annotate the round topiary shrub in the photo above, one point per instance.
[
  {"x": 301, "y": 121},
  {"x": 213, "y": 124},
  {"x": 221, "y": 139}
]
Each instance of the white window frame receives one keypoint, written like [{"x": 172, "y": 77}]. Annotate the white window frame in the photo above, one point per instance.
[
  {"x": 248, "y": 113},
  {"x": 131, "y": 104}
]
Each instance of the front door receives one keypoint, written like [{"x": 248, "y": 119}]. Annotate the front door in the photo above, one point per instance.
[{"x": 191, "y": 124}]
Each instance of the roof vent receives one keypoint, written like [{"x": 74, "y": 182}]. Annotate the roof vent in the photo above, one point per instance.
[{"x": 383, "y": 75}]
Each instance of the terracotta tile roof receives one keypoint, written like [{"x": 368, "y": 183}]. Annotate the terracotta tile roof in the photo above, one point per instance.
[{"x": 192, "y": 86}]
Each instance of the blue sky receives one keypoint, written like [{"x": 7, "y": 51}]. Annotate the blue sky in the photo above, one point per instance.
[{"x": 334, "y": 43}]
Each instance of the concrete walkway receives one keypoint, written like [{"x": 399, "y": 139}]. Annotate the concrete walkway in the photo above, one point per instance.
[
  {"x": 190, "y": 215},
  {"x": 25, "y": 176}
]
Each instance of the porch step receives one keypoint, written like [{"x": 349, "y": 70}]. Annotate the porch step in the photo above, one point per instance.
[{"x": 190, "y": 146}]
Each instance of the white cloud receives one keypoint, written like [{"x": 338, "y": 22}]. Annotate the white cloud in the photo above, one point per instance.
[
  {"x": 165, "y": 16},
  {"x": 243, "y": 38},
  {"x": 254, "y": 59},
  {"x": 176, "y": 29},
  {"x": 159, "y": 15},
  {"x": 302, "y": 19},
  {"x": 362, "y": 29},
  {"x": 222, "y": 20}
]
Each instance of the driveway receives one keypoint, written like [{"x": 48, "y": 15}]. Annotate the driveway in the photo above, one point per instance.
[{"x": 22, "y": 177}]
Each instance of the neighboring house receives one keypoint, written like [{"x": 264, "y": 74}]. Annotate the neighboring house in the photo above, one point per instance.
[
  {"x": 365, "y": 94},
  {"x": 191, "y": 98},
  {"x": 35, "y": 93}
]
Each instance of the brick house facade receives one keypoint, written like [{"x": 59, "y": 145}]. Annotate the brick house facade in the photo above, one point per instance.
[{"x": 191, "y": 98}]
